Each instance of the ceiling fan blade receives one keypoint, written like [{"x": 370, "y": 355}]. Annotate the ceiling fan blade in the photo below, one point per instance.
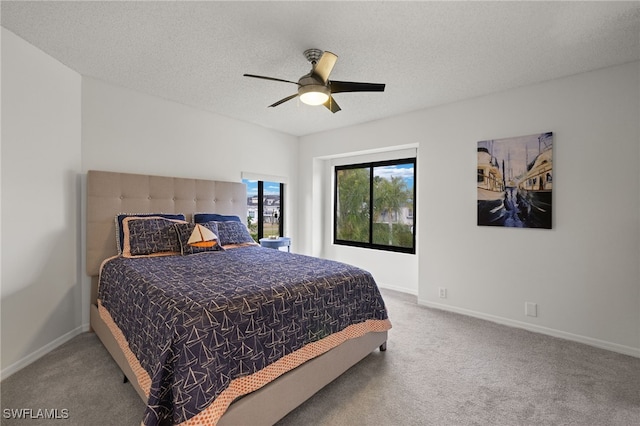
[
  {"x": 332, "y": 105},
  {"x": 350, "y": 86},
  {"x": 270, "y": 78},
  {"x": 325, "y": 65},
  {"x": 281, "y": 101}
]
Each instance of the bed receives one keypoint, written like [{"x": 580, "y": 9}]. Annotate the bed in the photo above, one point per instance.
[{"x": 230, "y": 285}]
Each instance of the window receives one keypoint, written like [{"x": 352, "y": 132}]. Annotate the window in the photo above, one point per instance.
[
  {"x": 374, "y": 205},
  {"x": 264, "y": 208}
]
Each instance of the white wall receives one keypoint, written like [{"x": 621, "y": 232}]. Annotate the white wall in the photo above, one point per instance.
[
  {"x": 127, "y": 131},
  {"x": 584, "y": 274},
  {"x": 40, "y": 290}
]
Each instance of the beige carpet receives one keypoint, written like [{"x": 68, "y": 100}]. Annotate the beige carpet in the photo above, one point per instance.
[{"x": 440, "y": 369}]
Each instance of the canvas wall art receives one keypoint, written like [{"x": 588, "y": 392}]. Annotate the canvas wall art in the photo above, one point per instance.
[{"x": 515, "y": 181}]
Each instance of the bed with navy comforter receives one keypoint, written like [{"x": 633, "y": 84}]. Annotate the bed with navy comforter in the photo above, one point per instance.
[{"x": 202, "y": 330}]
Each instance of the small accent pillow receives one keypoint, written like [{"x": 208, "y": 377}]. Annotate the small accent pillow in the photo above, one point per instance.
[
  {"x": 122, "y": 216},
  {"x": 214, "y": 217},
  {"x": 150, "y": 236},
  {"x": 233, "y": 233},
  {"x": 197, "y": 238}
]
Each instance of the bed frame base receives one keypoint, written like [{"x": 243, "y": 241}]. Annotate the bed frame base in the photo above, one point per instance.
[{"x": 275, "y": 400}]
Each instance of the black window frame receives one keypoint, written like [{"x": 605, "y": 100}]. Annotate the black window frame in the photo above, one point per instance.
[
  {"x": 260, "y": 217},
  {"x": 370, "y": 245}
]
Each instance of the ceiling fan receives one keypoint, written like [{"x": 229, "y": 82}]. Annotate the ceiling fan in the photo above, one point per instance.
[{"x": 315, "y": 88}]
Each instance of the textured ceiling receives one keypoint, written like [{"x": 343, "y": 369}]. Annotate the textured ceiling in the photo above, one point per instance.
[{"x": 427, "y": 53}]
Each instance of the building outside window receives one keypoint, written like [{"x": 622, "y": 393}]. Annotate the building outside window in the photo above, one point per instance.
[{"x": 264, "y": 208}]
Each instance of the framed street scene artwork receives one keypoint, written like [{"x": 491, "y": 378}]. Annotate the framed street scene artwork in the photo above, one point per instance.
[{"x": 515, "y": 181}]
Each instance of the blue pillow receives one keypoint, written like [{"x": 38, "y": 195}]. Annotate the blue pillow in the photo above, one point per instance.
[
  {"x": 150, "y": 236},
  {"x": 232, "y": 232},
  {"x": 214, "y": 217},
  {"x": 122, "y": 216}
]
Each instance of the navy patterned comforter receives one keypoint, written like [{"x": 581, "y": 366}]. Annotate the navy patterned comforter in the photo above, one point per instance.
[{"x": 195, "y": 323}]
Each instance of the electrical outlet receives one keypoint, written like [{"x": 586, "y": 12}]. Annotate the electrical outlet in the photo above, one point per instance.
[
  {"x": 531, "y": 309},
  {"x": 443, "y": 292}
]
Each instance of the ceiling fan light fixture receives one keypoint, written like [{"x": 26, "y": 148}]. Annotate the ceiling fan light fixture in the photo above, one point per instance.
[
  {"x": 314, "y": 94},
  {"x": 315, "y": 88}
]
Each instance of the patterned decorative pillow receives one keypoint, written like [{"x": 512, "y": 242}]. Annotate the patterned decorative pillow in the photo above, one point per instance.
[
  {"x": 233, "y": 233},
  {"x": 122, "y": 216},
  {"x": 150, "y": 236},
  {"x": 193, "y": 239},
  {"x": 214, "y": 217}
]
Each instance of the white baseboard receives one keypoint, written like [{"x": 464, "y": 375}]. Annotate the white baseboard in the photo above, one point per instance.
[
  {"x": 399, "y": 289},
  {"x": 602, "y": 344},
  {"x": 34, "y": 356}
]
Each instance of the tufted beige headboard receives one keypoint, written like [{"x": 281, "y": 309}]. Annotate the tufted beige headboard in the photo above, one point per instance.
[{"x": 110, "y": 193}]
